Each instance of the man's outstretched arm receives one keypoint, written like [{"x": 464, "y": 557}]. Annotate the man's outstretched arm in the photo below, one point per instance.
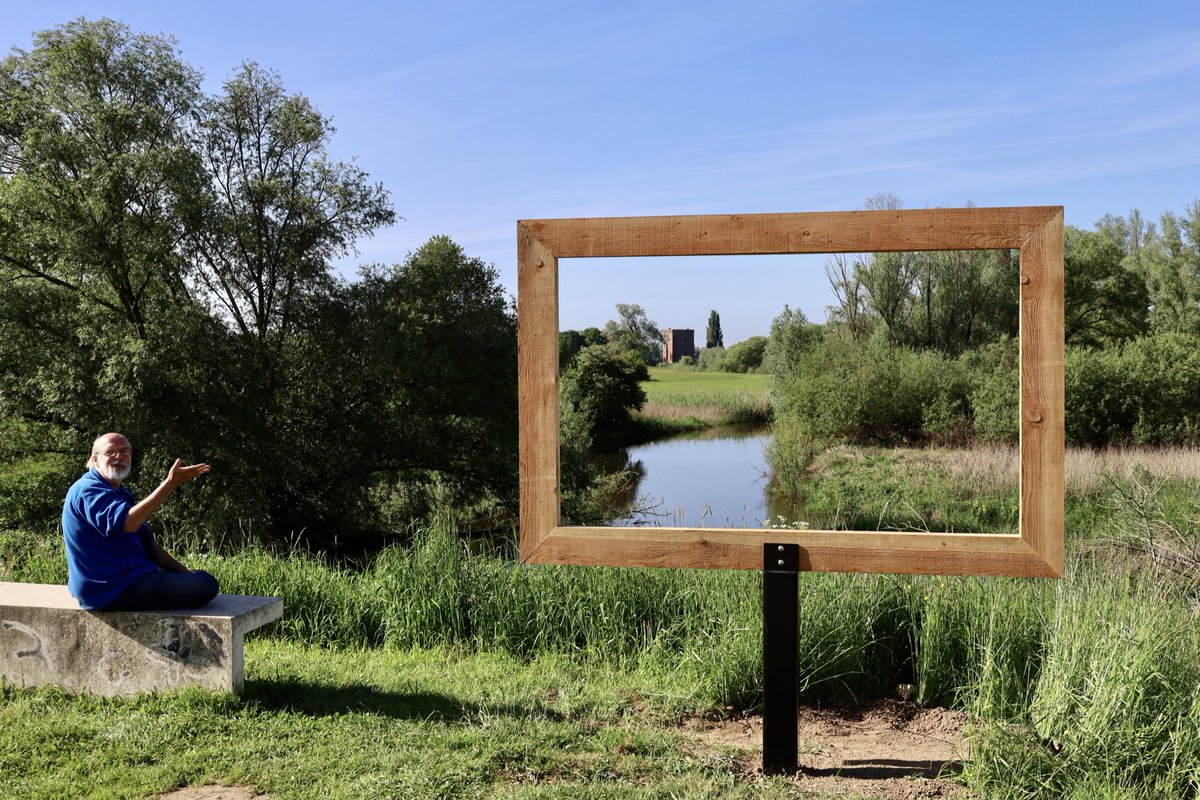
[{"x": 176, "y": 476}]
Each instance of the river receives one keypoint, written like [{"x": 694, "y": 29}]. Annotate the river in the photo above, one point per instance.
[{"x": 713, "y": 479}]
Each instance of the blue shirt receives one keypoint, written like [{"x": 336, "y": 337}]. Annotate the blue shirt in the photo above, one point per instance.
[{"x": 103, "y": 560}]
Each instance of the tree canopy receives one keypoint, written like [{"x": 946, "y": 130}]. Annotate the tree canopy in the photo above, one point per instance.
[
  {"x": 166, "y": 270},
  {"x": 633, "y": 332}
]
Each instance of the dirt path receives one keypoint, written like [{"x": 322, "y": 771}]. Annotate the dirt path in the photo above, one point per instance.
[{"x": 890, "y": 750}]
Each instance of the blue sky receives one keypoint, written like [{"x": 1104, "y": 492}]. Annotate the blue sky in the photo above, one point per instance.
[{"x": 475, "y": 115}]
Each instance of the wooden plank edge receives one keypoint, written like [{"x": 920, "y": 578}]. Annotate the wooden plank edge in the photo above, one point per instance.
[
  {"x": 1005, "y": 555},
  {"x": 599, "y": 237},
  {"x": 537, "y": 421}
]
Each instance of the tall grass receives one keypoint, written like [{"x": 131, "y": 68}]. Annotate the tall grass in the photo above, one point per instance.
[
  {"x": 1113, "y": 709},
  {"x": 439, "y": 592},
  {"x": 708, "y": 623},
  {"x": 977, "y": 641},
  {"x": 1085, "y": 687},
  {"x": 1085, "y": 468}
]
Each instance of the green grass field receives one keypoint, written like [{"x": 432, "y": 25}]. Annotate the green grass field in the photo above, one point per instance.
[
  {"x": 712, "y": 398},
  {"x": 370, "y": 723},
  {"x": 669, "y": 382}
]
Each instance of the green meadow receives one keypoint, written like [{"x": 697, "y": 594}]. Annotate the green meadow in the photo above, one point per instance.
[{"x": 706, "y": 398}]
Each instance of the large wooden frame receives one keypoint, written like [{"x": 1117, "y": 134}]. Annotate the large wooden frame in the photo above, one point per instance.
[{"x": 1037, "y": 551}]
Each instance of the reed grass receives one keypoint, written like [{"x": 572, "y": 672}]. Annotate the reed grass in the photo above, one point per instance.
[
  {"x": 1085, "y": 468},
  {"x": 1112, "y": 710}
]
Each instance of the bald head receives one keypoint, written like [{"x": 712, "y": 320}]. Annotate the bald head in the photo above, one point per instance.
[{"x": 111, "y": 456}]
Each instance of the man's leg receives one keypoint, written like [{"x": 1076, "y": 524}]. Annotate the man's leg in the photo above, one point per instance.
[{"x": 164, "y": 590}]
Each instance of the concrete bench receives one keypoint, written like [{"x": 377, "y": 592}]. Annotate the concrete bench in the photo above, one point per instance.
[{"x": 46, "y": 638}]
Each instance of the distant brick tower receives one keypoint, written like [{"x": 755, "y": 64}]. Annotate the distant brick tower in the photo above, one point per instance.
[{"x": 677, "y": 343}]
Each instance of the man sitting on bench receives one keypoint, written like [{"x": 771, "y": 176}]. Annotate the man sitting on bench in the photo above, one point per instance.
[{"x": 113, "y": 561}]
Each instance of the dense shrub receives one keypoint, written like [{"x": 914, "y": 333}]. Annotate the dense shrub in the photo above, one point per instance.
[
  {"x": 792, "y": 336},
  {"x": 873, "y": 392},
  {"x": 570, "y": 342},
  {"x": 745, "y": 356},
  {"x": 711, "y": 358},
  {"x": 598, "y": 392},
  {"x": 1144, "y": 392},
  {"x": 994, "y": 389},
  {"x": 1101, "y": 401},
  {"x": 32, "y": 491}
]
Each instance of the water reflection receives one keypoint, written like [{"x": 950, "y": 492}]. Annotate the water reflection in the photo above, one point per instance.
[{"x": 715, "y": 479}]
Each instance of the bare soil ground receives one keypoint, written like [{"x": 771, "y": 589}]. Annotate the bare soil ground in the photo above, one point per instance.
[
  {"x": 890, "y": 749},
  {"x": 213, "y": 793}
]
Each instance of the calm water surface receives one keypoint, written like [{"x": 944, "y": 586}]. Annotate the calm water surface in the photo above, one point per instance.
[{"x": 715, "y": 479}]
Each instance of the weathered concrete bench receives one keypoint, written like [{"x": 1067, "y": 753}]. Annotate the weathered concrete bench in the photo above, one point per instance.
[{"x": 46, "y": 638}]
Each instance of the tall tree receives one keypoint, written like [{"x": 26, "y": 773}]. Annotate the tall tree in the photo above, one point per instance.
[
  {"x": 633, "y": 332},
  {"x": 842, "y": 272},
  {"x": 947, "y": 300},
  {"x": 1104, "y": 302},
  {"x": 1167, "y": 259},
  {"x": 405, "y": 376},
  {"x": 94, "y": 171},
  {"x": 888, "y": 280},
  {"x": 94, "y": 163},
  {"x": 713, "y": 336},
  {"x": 962, "y": 298},
  {"x": 117, "y": 237},
  {"x": 277, "y": 209},
  {"x": 1172, "y": 272}
]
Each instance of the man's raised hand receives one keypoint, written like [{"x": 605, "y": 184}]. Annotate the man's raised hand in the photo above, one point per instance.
[{"x": 179, "y": 474}]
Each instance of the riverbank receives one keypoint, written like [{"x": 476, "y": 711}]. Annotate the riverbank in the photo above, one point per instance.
[{"x": 975, "y": 489}]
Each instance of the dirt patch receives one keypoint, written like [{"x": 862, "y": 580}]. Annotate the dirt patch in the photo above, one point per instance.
[
  {"x": 890, "y": 749},
  {"x": 213, "y": 793}
]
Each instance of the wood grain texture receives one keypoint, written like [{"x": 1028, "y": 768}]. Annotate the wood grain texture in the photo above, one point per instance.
[
  {"x": 806, "y": 232},
  {"x": 821, "y": 551},
  {"x": 1037, "y": 231},
  {"x": 537, "y": 382},
  {"x": 1042, "y": 394}
]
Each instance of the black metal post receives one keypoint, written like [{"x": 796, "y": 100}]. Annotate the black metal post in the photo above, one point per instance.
[{"x": 781, "y": 576}]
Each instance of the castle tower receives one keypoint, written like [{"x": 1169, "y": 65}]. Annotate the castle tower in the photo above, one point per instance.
[{"x": 677, "y": 343}]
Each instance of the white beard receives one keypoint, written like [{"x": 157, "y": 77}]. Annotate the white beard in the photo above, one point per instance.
[{"x": 112, "y": 473}]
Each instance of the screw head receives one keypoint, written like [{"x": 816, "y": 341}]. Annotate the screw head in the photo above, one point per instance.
[
  {"x": 781, "y": 548},
  {"x": 781, "y": 562}
]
